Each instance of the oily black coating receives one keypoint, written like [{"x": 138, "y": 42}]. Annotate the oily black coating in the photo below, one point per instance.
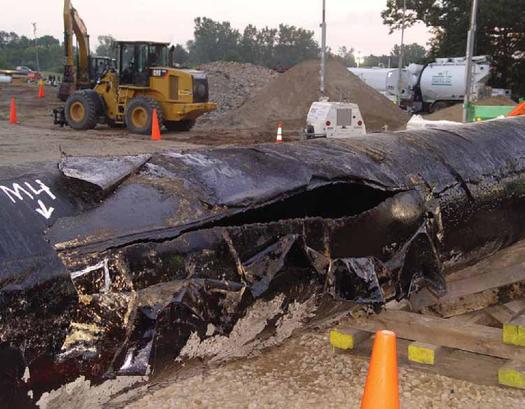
[{"x": 106, "y": 273}]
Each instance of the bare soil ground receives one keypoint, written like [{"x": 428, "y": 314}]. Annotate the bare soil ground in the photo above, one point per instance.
[{"x": 36, "y": 138}]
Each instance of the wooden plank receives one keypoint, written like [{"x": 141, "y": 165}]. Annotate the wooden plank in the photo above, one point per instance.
[
  {"x": 474, "y": 293},
  {"x": 454, "y": 363},
  {"x": 501, "y": 313},
  {"x": 516, "y": 306},
  {"x": 438, "y": 331},
  {"x": 475, "y": 317}
]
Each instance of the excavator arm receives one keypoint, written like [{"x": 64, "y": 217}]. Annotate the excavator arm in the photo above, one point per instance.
[{"x": 74, "y": 27}]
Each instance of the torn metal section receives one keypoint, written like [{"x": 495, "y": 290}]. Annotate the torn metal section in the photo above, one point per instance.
[
  {"x": 147, "y": 261},
  {"x": 105, "y": 173}
]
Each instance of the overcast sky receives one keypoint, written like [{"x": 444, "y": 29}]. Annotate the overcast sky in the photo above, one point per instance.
[{"x": 354, "y": 23}]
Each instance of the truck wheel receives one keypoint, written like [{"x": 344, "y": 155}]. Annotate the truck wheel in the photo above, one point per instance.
[
  {"x": 180, "y": 126},
  {"x": 139, "y": 115},
  {"x": 81, "y": 111},
  {"x": 436, "y": 106}
]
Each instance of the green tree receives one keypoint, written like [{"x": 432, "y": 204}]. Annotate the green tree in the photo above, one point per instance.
[
  {"x": 500, "y": 34},
  {"x": 266, "y": 40},
  {"x": 180, "y": 55},
  {"x": 413, "y": 53},
  {"x": 249, "y": 47},
  {"x": 285, "y": 46},
  {"x": 107, "y": 46},
  {"x": 377, "y": 61},
  {"x": 19, "y": 50},
  {"x": 347, "y": 56},
  {"x": 213, "y": 41},
  {"x": 294, "y": 45}
]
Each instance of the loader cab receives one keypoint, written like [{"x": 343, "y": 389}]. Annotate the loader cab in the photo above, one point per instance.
[
  {"x": 98, "y": 66},
  {"x": 136, "y": 58}
]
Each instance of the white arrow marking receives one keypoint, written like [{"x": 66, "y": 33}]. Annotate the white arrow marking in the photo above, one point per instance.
[{"x": 44, "y": 211}]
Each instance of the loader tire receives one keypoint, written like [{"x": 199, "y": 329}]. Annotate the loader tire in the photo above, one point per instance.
[
  {"x": 97, "y": 100},
  {"x": 180, "y": 126},
  {"x": 81, "y": 111},
  {"x": 139, "y": 115}
]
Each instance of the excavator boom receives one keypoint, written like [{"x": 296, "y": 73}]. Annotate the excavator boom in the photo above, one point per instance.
[{"x": 74, "y": 77}]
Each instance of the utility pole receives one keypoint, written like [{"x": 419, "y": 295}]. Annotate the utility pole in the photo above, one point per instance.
[
  {"x": 323, "y": 49},
  {"x": 471, "y": 39},
  {"x": 401, "y": 53},
  {"x": 36, "y": 48}
]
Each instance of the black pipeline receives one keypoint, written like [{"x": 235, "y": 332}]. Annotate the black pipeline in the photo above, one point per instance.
[{"x": 121, "y": 266}]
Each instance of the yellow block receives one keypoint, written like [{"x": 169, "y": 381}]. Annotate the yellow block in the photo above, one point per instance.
[
  {"x": 512, "y": 374},
  {"x": 343, "y": 339},
  {"x": 422, "y": 353},
  {"x": 514, "y": 333}
]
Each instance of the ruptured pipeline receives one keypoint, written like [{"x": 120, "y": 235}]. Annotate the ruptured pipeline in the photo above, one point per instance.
[{"x": 124, "y": 265}]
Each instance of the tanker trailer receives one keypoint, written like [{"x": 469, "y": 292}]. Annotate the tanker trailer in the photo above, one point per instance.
[{"x": 439, "y": 84}]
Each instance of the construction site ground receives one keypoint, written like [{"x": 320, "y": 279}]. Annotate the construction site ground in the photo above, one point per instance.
[
  {"x": 302, "y": 372},
  {"x": 36, "y": 138}
]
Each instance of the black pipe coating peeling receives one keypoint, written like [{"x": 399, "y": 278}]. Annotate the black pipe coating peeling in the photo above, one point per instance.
[{"x": 125, "y": 265}]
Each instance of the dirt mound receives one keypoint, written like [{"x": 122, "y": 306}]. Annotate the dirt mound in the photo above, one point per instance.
[
  {"x": 455, "y": 112},
  {"x": 288, "y": 99},
  {"x": 231, "y": 84}
]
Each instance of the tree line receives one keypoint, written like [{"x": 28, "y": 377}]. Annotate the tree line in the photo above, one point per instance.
[
  {"x": 20, "y": 50},
  {"x": 284, "y": 46}
]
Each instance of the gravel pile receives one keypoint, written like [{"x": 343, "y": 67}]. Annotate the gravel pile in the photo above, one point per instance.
[{"x": 231, "y": 84}]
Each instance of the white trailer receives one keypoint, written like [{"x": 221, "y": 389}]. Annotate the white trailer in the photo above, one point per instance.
[
  {"x": 334, "y": 120},
  {"x": 375, "y": 77}
]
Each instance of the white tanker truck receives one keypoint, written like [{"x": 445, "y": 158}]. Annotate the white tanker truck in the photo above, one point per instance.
[{"x": 427, "y": 88}]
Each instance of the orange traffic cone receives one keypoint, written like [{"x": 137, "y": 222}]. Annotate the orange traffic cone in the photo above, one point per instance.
[
  {"x": 381, "y": 388},
  {"x": 41, "y": 91},
  {"x": 12, "y": 113},
  {"x": 279, "y": 137},
  {"x": 155, "y": 128},
  {"x": 519, "y": 110}
]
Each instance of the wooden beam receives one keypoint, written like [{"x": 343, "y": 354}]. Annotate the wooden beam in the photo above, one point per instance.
[
  {"x": 438, "y": 331},
  {"x": 475, "y": 293},
  {"x": 501, "y": 313}
]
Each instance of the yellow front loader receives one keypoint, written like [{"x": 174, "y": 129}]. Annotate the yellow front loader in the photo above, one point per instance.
[
  {"x": 143, "y": 82},
  {"x": 127, "y": 95}
]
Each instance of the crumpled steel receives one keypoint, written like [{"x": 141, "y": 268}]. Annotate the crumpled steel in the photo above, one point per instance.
[{"x": 109, "y": 265}]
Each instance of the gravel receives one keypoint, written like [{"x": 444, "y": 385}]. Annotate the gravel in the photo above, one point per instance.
[
  {"x": 304, "y": 373},
  {"x": 231, "y": 84}
]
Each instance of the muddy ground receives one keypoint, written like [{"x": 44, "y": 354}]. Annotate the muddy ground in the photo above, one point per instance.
[
  {"x": 302, "y": 372},
  {"x": 37, "y": 138}
]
